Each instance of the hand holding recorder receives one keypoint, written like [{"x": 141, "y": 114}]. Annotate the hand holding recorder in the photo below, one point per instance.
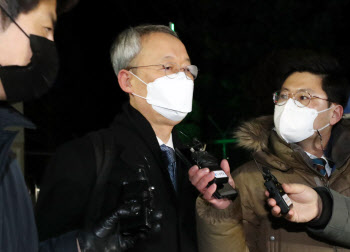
[{"x": 307, "y": 205}]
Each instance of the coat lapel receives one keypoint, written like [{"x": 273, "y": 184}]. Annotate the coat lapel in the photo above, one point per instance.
[{"x": 143, "y": 128}]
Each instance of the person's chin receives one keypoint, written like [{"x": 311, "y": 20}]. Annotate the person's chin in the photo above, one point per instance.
[{"x": 167, "y": 121}]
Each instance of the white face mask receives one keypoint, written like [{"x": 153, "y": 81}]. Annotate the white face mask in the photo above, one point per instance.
[
  {"x": 295, "y": 124},
  {"x": 170, "y": 97}
]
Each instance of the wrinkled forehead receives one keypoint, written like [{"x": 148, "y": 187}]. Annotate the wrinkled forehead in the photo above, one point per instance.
[{"x": 158, "y": 48}]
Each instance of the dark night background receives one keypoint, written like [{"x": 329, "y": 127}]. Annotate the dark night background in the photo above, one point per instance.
[{"x": 227, "y": 40}]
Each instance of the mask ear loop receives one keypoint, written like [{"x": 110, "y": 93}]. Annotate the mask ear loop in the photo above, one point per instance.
[
  {"x": 138, "y": 78},
  {"x": 142, "y": 82},
  {"x": 10, "y": 17},
  {"x": 320, "y": 136},
  {"x": 318, "y": 131}
]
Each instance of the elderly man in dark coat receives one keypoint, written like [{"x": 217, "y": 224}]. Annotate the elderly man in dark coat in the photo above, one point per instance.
[{"x": 153, "y": 67}]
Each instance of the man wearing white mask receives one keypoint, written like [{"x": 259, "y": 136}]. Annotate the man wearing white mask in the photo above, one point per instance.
[
  {"x": 305, "y": 142},
  {"x": 154, "y": 69}
]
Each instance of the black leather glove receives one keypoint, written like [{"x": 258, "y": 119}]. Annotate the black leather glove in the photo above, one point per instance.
[
  {"x": 205, "y": 159},
  {"x": 138, "y": 189},
  {"x": 134, "y": 219},
  {"x": 106, "y": 236}
]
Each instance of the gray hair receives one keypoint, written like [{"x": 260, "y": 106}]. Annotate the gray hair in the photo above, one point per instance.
[{"x": 128, "y": 44}]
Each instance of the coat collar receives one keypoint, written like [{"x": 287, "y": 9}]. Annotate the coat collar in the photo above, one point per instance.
[
  {"x": 137, "y": 123},
  {"x": 338, "y": 148},
  {"x": 9, "y": 117},
  {"x": 259, "y": 137},
  {"x": 134, "y": 120}
]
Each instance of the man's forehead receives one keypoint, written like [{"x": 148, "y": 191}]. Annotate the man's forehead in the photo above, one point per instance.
[
  {"x": 297, "y": 89},
  {"x": 162, "y": 47},
  {"x": 303, "y": 81},
  {"x": 48, "y": 8},
  {"x": 53, "y": 17},
  {"x": 171, "y": 58}
]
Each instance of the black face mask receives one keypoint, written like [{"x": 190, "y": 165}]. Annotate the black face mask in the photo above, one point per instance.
[{"x": 24, "y": 83}]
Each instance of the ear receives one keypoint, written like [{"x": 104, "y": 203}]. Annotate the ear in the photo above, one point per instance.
[
  {"x": 337, "y": 114},
  {"x": 124, "y": 78}
]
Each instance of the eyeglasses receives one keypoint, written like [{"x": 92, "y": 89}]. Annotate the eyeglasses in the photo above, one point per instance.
[
  {"x": 171, "y": 69},
  {"x": 301, "y": 98}
]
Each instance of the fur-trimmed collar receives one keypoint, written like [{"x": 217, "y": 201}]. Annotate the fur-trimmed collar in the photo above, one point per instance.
[{"x": 254, "y": 135}]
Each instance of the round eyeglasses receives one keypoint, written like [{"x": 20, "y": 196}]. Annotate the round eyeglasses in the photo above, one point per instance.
[
  {"x": 301, "y": 98},
  {"x": 171, "y": 69}
]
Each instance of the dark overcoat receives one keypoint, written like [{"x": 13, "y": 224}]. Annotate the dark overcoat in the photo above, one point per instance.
[{"x": 67, "y": 188}]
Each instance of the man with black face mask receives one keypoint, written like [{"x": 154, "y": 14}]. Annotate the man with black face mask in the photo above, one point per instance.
[
  {"x": 23, "y": 83},
  {"x": 29, "y": 61},
  {"x": 28, "y": 68},
  {"x": 21, "y": 78}
]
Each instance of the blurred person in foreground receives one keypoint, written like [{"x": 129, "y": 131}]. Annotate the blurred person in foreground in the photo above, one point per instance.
[{"x": 28, "y": 68}]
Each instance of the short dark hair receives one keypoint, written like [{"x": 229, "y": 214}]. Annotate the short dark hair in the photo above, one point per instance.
[
  {"x": 334, "y": 80},
  {"x": 65, "y": 5},
  {"x": 15, "y": 7}
]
